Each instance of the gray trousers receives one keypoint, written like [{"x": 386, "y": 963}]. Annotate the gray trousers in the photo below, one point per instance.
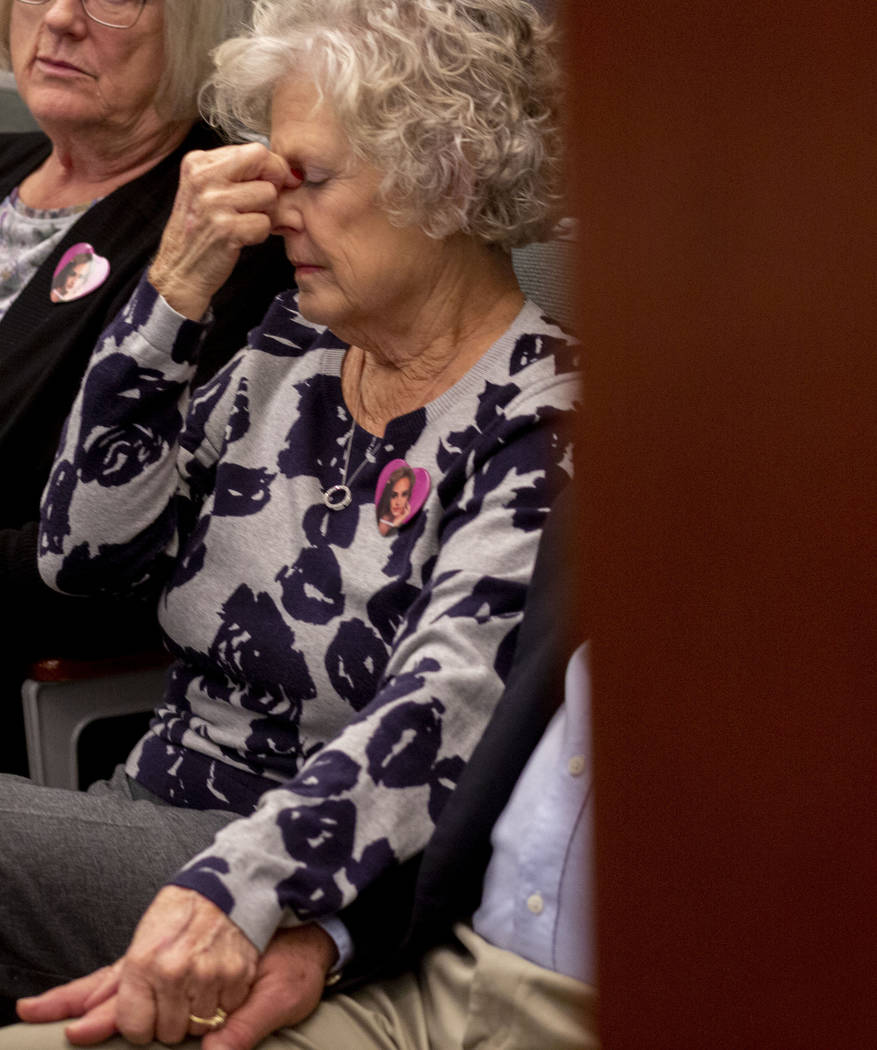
[
  {"x": 467, "y": 995},
  {"x": 77, "y": 871}
]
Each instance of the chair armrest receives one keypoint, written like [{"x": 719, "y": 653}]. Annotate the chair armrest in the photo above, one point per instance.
[
  {"x": 66, "y": 670},
  {"x": 61, "y": 698}
]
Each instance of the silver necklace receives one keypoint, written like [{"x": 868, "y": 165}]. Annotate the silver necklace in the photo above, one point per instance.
[{"x": 337, "y": 497}]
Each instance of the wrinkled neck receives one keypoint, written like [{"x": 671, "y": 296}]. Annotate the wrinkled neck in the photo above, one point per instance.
[{"x": 83, "y": 167}]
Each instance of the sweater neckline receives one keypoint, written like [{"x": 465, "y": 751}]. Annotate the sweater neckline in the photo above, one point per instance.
[
  {"x": 45, "y": 214},
  {"x": 484, "y": 367}
]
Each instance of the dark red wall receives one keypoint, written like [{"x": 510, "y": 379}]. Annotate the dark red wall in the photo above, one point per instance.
[{"x": 725, "y": 172}]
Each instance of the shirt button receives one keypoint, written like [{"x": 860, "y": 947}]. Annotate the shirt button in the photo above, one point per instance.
[
  {"x": 535, "y": 904},
  {"x": 576, "y": 765}
]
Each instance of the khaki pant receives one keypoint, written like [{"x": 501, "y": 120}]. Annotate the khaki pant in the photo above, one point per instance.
[{"x": 465, "y": 996}]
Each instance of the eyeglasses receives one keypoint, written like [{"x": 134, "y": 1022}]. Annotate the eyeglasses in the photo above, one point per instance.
[{"x": 117, "y": 14}]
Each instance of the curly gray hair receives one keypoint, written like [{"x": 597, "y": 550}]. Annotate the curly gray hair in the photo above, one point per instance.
[
  {"x": 192, "y": 28},
  {"x": 454, "y": 101}
]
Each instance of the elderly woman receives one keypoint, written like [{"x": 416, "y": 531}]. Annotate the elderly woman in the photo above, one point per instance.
[
  {"x": 113, "y": 85},
  {"x": 330, "y": 682}
]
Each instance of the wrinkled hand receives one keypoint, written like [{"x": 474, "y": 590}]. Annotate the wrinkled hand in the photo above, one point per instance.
[
  {"x": 288, "y": 985},
  {"x": 186, "y": 957},
  {"x": 225, "y": 200},
  {"x": 85, "y": 998}
]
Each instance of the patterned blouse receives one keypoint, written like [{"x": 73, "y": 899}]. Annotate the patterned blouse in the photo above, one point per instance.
[
  {"x": 330, "y": 681},
  {"x": 27, "y": 238}
]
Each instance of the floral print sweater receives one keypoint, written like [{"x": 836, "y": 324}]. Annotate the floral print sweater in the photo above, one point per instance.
[{"x": 330, "y": 682}]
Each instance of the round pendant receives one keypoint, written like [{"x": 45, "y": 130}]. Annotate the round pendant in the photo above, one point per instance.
[{"x": 337, "y": 497}]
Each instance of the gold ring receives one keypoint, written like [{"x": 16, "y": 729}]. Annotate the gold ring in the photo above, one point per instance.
[{"x": 214, "y": 1022}]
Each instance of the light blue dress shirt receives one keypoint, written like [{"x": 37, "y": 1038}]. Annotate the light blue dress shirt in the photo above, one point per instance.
[{"x": 538, "y": 888}]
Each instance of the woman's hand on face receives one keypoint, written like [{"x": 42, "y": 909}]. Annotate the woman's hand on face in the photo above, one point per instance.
[{"x": 225, "y": 200}]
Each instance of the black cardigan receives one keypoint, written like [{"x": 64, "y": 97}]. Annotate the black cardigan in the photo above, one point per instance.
[{"x": 44, "y": 349}]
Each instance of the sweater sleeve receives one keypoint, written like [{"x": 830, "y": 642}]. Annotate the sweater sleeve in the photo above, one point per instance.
[
  {"x": 369, "y": 799},
  {"x": 124, "y": 483}
]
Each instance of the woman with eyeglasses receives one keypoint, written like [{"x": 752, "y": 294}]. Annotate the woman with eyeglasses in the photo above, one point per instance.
[{"x": 113, "y": 86}]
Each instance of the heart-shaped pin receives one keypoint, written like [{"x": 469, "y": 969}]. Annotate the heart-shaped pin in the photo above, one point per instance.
[
  {"x": 400, "y": 493},
  {"x": 79, "y": 271}
]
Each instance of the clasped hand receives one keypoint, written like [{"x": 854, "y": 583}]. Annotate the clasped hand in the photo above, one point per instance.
[
  {"x": 225, "y": 200},
  {"x": 188, "y": 958}
]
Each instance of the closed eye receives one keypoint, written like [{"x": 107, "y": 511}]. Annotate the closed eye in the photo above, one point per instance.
[{"x": 309, "y": 176}]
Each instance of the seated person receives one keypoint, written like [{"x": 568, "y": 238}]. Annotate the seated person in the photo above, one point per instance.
[
  {"x": 512, "y": 845},
  {"x": 113, "y": 85},
  {"x": 330, "y": 683}
]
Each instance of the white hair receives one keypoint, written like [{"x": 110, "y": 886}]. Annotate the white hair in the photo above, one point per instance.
[{"x": 455, "y": 101}]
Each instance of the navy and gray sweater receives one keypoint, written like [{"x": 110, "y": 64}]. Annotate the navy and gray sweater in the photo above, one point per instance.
[{"x": 330, "y": 682}]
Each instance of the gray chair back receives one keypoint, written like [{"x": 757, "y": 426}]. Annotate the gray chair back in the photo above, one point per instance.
[{"x": 545, "y": 273}]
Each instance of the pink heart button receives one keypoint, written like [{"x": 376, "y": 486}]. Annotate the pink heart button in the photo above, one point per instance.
[
  {"x": 400, "y": 493},
  {"x": 79, "y": 271}
]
